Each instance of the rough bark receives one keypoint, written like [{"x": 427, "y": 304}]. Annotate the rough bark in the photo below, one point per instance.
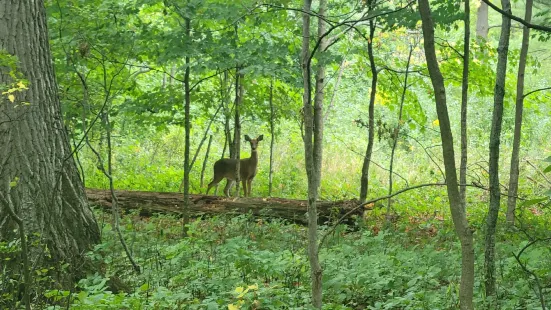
[
  {"x": 149, "y": 203},
  {"x": 514, "y": 171},
  {"x": 459, "y": 218},
  {"x": 464, "y": 99},
  {"x": 482, "y": 26},
  {"x": 47, "y": 194},
  {"x": 495, "y": 139},
  {"x": 364, "y": 181}
]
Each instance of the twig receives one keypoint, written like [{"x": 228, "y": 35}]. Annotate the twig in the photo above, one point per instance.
[
  {"x": 530, "y": 272},
  {"x": 347, "y": 214},
  {"x": 539, "y": 172},
  {"x": 535, "y": 91}
]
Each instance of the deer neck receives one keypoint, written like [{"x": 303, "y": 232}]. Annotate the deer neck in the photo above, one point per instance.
[{"x": 254, "y": 157}]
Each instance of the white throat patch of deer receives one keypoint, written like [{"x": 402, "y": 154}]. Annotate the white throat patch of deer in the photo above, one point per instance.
[{"x": 225, "y": 169}]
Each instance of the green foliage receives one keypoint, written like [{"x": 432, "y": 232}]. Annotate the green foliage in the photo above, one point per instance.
[
  {"x": 127, "y": 59},
  {"x": 246, "y": 263}
]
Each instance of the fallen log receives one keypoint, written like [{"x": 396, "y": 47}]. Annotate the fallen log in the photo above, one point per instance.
[{"x": 166, "y": 202}]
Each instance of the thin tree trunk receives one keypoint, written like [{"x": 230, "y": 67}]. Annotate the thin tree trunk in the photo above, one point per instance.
[
  {"x": 237, "y": 126},
  {"x": 514, "y": 172},
  {"x": 497, "y": 120},
  {"x": 319, "y": 96},
  {"x": 225, "y": 91},
  {"x": 396, "y": 136},
  {"x": 482, "y": 26},
  {"x": 313, "y": 135},
  {"x": 172, "y": 72},
  {"x": 272, "y": 134},
  {"x": 39, "y": 178},
  {"x": 459, "y": 218},
  {"x": 337, "y": 83},
  {"x": 205, "y": 161},
  {"x": 203, "y": 139},
  {"x": 464, "y": 98},
  {"x": 115, "y": 205},
  {"x": 187, "y": 127},
  {"x": 364, "y": 181}
]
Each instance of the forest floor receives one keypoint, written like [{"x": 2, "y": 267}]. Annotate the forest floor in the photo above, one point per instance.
[{"x": 248, "y": 262}]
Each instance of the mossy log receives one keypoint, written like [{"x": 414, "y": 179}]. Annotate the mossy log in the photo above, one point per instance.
[{"x": 201, "y": 205}]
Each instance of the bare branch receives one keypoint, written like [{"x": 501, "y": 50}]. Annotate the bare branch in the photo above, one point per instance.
[
  {"x": 516, "y": 18},
  {"x": 535, "y": 91}
]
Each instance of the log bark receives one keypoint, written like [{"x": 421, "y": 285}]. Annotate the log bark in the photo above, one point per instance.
[{"x": 292, "y": 210}]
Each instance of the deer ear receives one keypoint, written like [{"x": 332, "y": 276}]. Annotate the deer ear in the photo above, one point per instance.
[
  {"x": 260, "y": 138},
  {"x": 247, "y": 138}
]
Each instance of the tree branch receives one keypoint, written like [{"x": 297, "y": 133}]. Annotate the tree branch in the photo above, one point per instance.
[
  {"x": 535, "y": 91},
  {"x": 516, "y": 18}
]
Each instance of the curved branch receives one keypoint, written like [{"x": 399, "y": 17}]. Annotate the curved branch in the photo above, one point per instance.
[
  {"x": 530, "y": 272},
  {"x": 518, "y": 19},
  {"x": 347, "y": 214},
  {"x": 535, "y": 91}
]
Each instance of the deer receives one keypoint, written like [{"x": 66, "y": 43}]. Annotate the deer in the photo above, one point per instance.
[{"x": 225, "y": 168}]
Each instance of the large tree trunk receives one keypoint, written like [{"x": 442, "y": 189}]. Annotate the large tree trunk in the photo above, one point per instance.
[
  {"x": 364, "y": 181},
  {"x": 459, "y": 218},
  {"x": 482, "y": 26},
  {"x": 514, "y": 172},
  {"x": 38, "y": 176},
  {"x": 497, "y": 120}
]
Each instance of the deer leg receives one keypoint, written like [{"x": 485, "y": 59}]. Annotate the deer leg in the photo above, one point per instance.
[
  {"x": 214, "y": 182},
  {"x": 244, "y": 182},
  {"x": 249, "y": 186},
  {"x": 228, "y": 187}
]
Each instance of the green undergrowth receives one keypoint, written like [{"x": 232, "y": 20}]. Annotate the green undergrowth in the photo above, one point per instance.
[{"x": 245, "y": 263}]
